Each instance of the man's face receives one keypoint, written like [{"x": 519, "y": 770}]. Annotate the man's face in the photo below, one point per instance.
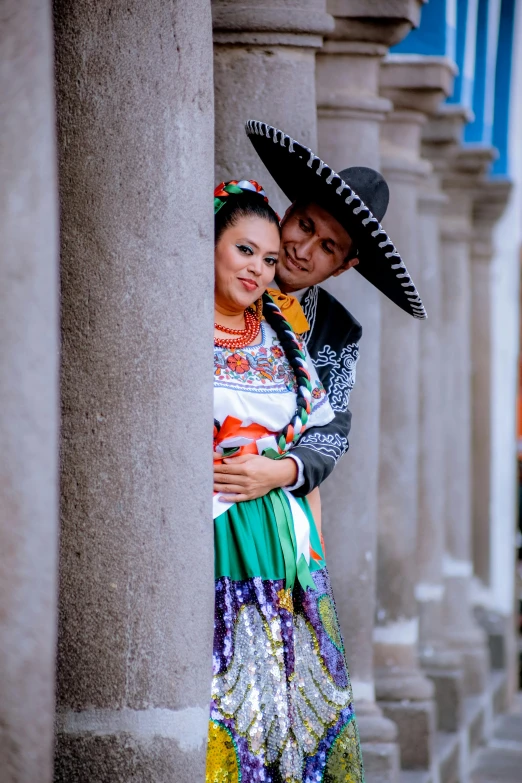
[{"x": 314, "y": 247}]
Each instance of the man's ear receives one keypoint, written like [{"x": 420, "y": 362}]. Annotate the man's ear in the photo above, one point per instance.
[{"x": 346, "y": 265}]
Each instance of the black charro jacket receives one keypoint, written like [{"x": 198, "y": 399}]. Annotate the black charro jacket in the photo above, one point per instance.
[{"x": 333, "y": 344}]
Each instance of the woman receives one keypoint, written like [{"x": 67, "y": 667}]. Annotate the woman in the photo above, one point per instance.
[{"x": 281, "y": 708}]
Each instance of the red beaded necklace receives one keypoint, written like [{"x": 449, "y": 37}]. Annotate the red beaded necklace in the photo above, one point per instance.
[{"x": 247, "y": 335}]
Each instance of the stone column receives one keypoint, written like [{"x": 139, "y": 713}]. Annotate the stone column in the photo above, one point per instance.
[
  {"x": 135, "y": 110},
  {"x": 264, "y": 68},
  {"x": 462, "y": 632},
  {"x": 442, "y": 665},
  {"x": 488, "y": 206},
  {"x": 416, "y": 86},
  {"x": 28, "y": 393},
  {"x": 350, "y": 112},
  {"x": 430, "y": 540},
  {"x": 462, "y": 168}
]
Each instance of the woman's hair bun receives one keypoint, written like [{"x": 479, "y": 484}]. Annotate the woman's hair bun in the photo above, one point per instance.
[{"x": 240, "y": 198}]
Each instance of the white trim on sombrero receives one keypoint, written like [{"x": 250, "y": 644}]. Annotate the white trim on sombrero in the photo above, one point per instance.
[{"x": 262, "y": 129}]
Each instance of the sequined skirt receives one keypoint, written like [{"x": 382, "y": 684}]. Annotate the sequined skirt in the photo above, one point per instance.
[{"x": 281, "y": 708}]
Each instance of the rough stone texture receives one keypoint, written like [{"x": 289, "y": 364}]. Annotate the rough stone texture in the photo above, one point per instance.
[
  {"x": 135, "y": 111},
  {"x": 264, "y": 68},
  {"x": 449, "y": 696},
  {"x": 415, "y": 82},
  {"x": 28, "y": 392},
  {"x": 376, "y": 21},
  {"x": 123, "y": 759},
  {"x": 417, "y": 725}
]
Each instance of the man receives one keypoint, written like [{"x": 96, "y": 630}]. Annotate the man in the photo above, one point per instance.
[{"x": 331, "y": 226}]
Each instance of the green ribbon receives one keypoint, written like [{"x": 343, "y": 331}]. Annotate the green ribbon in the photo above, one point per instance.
[
  {"x": 285, "y": 529},
  {"x": 304, "y": 576}
]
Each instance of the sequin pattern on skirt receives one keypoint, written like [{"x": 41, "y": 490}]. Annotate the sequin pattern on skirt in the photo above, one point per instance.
[{"x": 281, "y": 709}]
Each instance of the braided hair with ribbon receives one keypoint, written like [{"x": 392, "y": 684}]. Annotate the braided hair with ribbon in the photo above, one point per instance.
[{"x": 246, "y": 198}]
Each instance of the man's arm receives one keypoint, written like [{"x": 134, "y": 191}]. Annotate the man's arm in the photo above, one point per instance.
[{"x": 320, "y": 448}]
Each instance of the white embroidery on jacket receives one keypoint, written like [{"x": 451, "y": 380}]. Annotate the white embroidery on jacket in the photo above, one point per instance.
[
  {"x": 309, "y": 305},
  {"x": 326, "y": 357},
  {"x": 342, "y": 373},
  {"x": 332, "y": 446}
]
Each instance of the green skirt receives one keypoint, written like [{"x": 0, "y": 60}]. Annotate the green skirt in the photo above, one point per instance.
[
  {"x": 257, "y": 538},
  {"x": 281, "y": 706}
]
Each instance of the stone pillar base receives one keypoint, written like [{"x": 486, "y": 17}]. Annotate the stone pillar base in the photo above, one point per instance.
[
  {"x": 417, "y": 724},
  {"x": 500, "y": 635},
  {"x": 406, "y": 698},
  {"x": 476, "y": 670},
  {"x": 379, "y": 746},
  {"x": 462, "y": 633},
  {"x": 122, "y": 758},
  {"x": 449, "y": 697},
  {"x": 381, "y": 762},
  {"x": 446, "y": 673},
  {"x": 475, "y": 659}
]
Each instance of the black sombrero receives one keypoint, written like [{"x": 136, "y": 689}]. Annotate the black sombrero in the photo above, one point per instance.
[{"x": 297, "y": 170}]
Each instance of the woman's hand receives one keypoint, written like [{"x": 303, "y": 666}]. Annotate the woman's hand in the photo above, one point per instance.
[{"x": 251, "y": 476}]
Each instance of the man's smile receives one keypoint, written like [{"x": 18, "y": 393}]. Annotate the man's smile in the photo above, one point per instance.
[{"x": 294, "y": 263}]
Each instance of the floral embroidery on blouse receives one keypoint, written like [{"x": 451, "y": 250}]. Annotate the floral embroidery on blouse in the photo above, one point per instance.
[
  {"x": 256, "y": 365},
  {"x": 263, "y": 368}
]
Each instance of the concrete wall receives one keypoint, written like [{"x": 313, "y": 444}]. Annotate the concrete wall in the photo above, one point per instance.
[{"x": 28, "y": 392}]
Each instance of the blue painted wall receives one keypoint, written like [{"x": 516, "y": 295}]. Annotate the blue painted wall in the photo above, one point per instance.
[
  {"x": 503, "y": 86},
  {"x": 475, "y": 131},
  {"x": 462, "y": 10},
  {"x": 436, "y": 32},
  {"x": 466, "y": 31},
  {"x": 481, "y": 129}
]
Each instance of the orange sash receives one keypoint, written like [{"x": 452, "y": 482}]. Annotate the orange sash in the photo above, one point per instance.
[{"x": 232, "y": 428}]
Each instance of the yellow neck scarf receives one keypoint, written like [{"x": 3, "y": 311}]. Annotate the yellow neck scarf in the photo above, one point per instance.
[{"x": 291, "y": 309}]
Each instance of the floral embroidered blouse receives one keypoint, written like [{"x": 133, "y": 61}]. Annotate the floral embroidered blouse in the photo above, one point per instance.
[{"x": 256, "y": 385}]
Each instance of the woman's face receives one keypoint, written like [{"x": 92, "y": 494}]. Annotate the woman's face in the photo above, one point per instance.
[{"x": 245, "y": 258}]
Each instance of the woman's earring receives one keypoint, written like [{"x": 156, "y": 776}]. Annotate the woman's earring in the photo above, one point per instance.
[{"x": 259, "y": 309}]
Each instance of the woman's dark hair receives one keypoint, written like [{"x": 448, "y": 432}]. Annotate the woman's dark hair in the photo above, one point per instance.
[
  {"x": 249, "y": 204},
  {"x": 297, "y": 360},
  {"x": 246, "y": 204}
]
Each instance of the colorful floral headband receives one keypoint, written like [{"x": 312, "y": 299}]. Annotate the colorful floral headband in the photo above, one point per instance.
[{"x": 234, "y": 188}]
